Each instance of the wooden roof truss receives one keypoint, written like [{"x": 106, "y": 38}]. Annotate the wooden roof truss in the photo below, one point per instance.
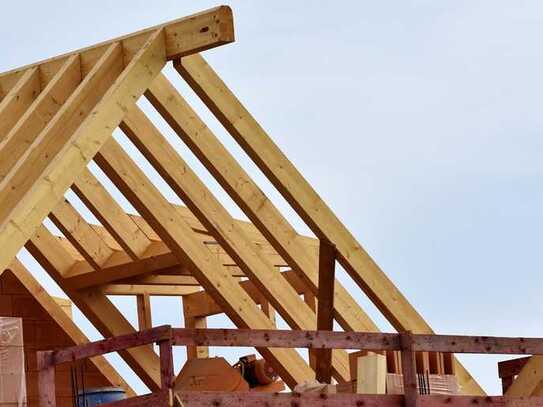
[{"x": 58, "y": 115}]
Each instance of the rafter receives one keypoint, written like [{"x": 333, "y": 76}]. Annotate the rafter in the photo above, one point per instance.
[
  {"x": 39, "y": 114},
  {"x": 221, "y": 225},
  {"x": 17, "y": 100},
  {"x": 48, "y": 251},
  {"x": 184, "y": 36},
  {"x": 180, "y": 238},
  {"x": 40, "y": 185},
  {"x": 244, "y": 191},
  {"x": 110, "y": 214},
  {"x": 58, "y": 115},
  {"x": 307, "y": 203},
  {"x": 63, "y": 320},
  {"x": 81, "y": 235}
]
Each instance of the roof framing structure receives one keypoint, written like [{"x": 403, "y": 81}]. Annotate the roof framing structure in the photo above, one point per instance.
[{"x": 57, "y": 116}]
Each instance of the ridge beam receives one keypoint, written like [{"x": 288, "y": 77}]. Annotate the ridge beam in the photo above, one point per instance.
[{"x": 187, "y": 35}]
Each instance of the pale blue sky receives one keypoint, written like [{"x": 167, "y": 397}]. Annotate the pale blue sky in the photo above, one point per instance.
[{"x": 418, "y": 121}]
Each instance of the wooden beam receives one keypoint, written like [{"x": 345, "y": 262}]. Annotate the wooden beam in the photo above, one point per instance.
[
  {"x": 409, "y": 370},
  {"x": 39, "y": 114},
  {"x": 307, "y": 203},
  {"x": 529, "y": 382},
  {"x": 325, "y": 320},
  {"x": 110, "y": 214},
  {"x": 46, "y": 379},
  {"x": 50, "y": 254},
  {"x": 54, "y": 310},
  {"x": 195, "y": 351},
  {"x": 80, "y": 234},
  {"x": 45, "y": 186},
  {"x": 187, "y": 35},
  {"x": 173, "y": 230},
  {"x": 114, "y": 344},
  {"x": 159, "y": 279},
  {"x": 248, "y": 196},
  {"x": 141, "y": 290},
  {"x": 143, "y": 306},
  {"x": 158, "y": 256},
  {"x": 12, "y": 107},
  {"x": 195, "y": 194},
  {"x": 48, "y": 144},
  {"x": 201, "y": 304}
]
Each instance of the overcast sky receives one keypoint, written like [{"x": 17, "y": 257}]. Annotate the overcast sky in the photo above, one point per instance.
[{"x": 419, "y": 122}]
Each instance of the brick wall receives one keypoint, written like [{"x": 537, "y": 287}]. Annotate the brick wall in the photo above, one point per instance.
[{"x": 41, "y": 332}]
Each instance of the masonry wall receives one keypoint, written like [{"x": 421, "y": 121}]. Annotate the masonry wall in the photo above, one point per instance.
[{"x": 41, "y": 332}]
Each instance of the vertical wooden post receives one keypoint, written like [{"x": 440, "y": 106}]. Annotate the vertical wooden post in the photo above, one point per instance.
[
  {"x": 46, "y": 379},
  {"x": 145, "y": 319},
  {"x": 311, "y": 301},
  {"x": 409, "y": 371},
  {"x": 195, "y": 352},
  {"x": 325, "y": 307},
  {"x": 166, "y": 364},
  {"x": 166, "y": 368}
]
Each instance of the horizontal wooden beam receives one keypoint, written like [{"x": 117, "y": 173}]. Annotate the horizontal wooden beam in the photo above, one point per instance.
[
  {"x": 278, "y": 338},
  {"x": 160, "y": 279},
  {"x": 155, "y": 290},
  {"x": 257, "y": 399},
  {"x": 109, "y": 345},
  {"x": 357, "y": 340},
  {"x": 184, "y": 36},
  {"x": 201, "y": 304}
]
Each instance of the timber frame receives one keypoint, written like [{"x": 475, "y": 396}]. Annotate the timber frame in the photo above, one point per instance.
[
  {"x": 57, "y": 118},
  {"x": 407, "y": 343}
]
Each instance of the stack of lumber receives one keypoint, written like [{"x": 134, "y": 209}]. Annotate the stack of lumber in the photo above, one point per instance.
[{"x": 381, "y": 373}]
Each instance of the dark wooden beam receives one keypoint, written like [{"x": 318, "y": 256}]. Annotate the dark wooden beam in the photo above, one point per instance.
[{"x": 325, "y": 307}]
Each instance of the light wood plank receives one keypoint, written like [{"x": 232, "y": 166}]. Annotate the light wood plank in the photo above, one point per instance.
[
  {"x": 143, "y": 289},
  {"x": 307, "y": 203},
  {"x": 195, "y": 352},
  {"x": 202, "y": 305},
  {"x": 19, "y": 221},
  {"x": 372, "y": 374},
  {"x": 162, "y": 280},
  {"x": 55, "y": 135},
  {"x": 171, "y": 227},
  {"x": 18, "y": 99},
  {"x": 110, "y": 214},
  {"x": 80, "y": 234},
  {"x": 39, "y": 114}
]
